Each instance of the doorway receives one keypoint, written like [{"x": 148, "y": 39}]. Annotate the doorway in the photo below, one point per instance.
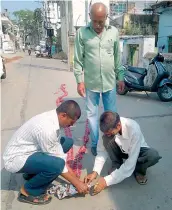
[{"x": 133, "y": 54}]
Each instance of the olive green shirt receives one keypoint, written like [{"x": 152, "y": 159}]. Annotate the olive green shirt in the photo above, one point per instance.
[{"x": 98, "y": 58}]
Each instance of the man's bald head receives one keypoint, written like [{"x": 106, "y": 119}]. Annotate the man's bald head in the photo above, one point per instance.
[
  {"x": 98, "y": 16},
  {"x": 99, "y": 8}
]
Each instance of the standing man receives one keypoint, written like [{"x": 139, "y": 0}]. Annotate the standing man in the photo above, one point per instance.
[
  {"x": 38, "y": 150},
  {"x": 97, "y": 56}
]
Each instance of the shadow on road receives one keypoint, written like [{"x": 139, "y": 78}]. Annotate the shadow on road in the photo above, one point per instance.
[
  {"x": 143, "y": 95},
  {"x": 10, "y": 181}
]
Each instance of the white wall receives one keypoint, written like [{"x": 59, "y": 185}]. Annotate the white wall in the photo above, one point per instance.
[
  {"x": 146, "y": 44},
  {"x": 149, "y": 45},
  {"x": 54, "y": 18}
]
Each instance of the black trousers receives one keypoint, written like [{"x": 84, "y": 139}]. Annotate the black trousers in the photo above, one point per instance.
[{"x": 147, "y": 156}]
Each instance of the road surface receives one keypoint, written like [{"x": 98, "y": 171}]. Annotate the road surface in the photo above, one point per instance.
[{"x": 30, "y": 89}]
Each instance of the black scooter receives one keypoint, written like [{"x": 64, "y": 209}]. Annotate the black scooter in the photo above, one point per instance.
[{"x": 162, "y": 85}]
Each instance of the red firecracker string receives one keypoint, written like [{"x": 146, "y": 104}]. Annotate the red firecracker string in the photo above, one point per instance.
[{"x": 74, "y": 163}]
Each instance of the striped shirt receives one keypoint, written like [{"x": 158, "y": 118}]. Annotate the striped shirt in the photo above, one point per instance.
[{"x": 39, "y": 134}]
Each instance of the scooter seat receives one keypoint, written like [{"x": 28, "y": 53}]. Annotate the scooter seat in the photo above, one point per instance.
[{"x": 137, "y": 70}]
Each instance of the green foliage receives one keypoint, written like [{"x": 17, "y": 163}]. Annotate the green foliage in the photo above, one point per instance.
[
  {"x": 38, "y": 17},
  {"x": 25, "y": 20},
  {"x": 30, "y": 22},
  {"x": 133, "y": 29}
]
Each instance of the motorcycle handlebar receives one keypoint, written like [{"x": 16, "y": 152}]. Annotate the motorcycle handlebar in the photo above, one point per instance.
[{"x": 159, "y": 57}]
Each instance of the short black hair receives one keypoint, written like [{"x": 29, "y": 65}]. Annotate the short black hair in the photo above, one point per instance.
[
  {"x": 71, "y": 108},
  {"x": 108, "y": 121}
]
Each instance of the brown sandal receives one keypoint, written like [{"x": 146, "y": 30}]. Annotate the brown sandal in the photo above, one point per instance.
[
  {"x": 34, "y": 200},
  {"x": 141, "y": 179}
]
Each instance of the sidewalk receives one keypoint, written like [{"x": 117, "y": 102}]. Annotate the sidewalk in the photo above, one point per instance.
[{"x": 12, "y": 56}]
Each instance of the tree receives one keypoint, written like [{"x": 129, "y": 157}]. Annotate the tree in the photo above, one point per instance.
[
  {"x": 38, "y": 22},
  {"x": 24, "y": 19},
  {"x": 30, "y": 22},
  {"x": 133, "y": 29}
]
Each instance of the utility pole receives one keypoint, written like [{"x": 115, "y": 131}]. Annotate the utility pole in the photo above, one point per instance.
[
  {"x": 86, "y": 12},
  {"x": 127, "y": 6},
  {"x": 44, "y": 14},
  {"x": 67, "y": 33}
]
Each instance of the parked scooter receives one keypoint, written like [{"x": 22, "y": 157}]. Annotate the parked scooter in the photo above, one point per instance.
[
  {"x": 45, "y": 53},
  {"x": 162, "y": 85},
  {"x": 38, "y": 54}
]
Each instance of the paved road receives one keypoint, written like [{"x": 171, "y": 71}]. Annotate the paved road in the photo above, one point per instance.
[{"x": 30, "y": 89}]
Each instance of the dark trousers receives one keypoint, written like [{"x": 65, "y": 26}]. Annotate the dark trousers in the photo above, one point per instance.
[
  {"x": 45, "y": 169},
  {"x": 147, "y": 156}
]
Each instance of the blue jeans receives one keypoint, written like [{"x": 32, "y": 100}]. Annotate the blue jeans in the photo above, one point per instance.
[
  {"x": 46, "y": 168},
  {"x": 92, "y": 108}
]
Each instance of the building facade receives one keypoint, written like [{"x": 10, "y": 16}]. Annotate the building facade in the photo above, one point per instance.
[
  {"x": 134, "y": 48},
  {"x": 52, "y": 19},
  {"x": 164, "y": 9},
  {"x": 129, "y": 6},
  {"x": 8, "y": 37}
]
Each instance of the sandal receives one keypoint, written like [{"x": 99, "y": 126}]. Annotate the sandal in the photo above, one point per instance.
[
  {"x": 34, "y": 200},
  {"x": 141, "y": 179}
]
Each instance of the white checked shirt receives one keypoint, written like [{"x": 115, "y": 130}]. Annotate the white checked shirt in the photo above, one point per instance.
[
  {"x": 40, "y": 134},
  {"x": 130, "y": 143}
]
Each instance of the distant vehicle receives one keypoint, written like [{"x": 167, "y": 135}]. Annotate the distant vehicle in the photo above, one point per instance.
[
  {"x": 42, "y": 53},
  {"x": 2, "y": 68},
  {"x": 38, "y": 51}
]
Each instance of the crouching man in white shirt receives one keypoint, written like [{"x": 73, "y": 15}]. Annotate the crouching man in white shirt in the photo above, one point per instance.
[
  {"x": 38, "y": 150},
  {"x": 124, "y": 142}
]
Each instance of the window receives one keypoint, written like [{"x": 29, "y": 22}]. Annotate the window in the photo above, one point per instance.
[
  {"x": 120, "y": 8},
  {"x": 170, "y": 44}
]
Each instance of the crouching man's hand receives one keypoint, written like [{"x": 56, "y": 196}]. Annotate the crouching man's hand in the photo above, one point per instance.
[
  {"x": 79, "y": 185},
  {"x": 90, "y": 177},
  {"x": 100, "y": 185},
  {"x": 82, "y": 188}
]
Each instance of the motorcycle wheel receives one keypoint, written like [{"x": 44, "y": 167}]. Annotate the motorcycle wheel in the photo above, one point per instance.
[
  {"x": 124, "y": 92},
  {"x": 165, "y": 93}
]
